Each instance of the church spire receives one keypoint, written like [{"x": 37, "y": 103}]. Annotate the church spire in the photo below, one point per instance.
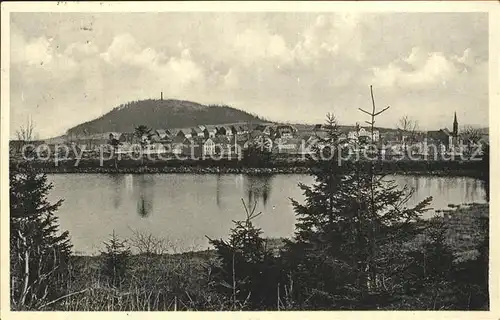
[{"x": 455, "y": 126}]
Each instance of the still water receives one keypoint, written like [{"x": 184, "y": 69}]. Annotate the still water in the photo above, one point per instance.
[{"x": 184, "y": 208}]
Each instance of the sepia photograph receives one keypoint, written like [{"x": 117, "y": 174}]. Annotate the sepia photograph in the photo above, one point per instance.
[{"x": 246, "y": 160}]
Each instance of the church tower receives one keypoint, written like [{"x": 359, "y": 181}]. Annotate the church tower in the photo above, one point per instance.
[{"x": 455, "y": 126}]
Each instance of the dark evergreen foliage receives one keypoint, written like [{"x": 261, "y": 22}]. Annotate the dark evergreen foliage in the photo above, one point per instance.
[
  {"x": 256, "y": 157},
  {"x": 340, "y": 254},
  {"x": 116, "y": 260},
  {"x": 248, "y": 271},
  {"x": 162, "y": 114},
  {"x": 39, "y": 252}
]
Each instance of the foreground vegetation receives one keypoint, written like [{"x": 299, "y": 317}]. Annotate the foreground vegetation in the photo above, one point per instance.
[
  {"x": 447, "y": 269},
  {"x": 357, "y": 246}
]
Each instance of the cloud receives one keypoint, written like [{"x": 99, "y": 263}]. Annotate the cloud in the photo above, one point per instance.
[
  {"x": 125, "y": 50},
  {"x": 80, "y": 50},
  {"x": 284, "y": 66},
  {"x": 422, "y": 69},
  {"x": 331, "y": 35},
  {"x": 255, "y": 45},
  {"x": 35, "y": 52},
  {"x": 173, "y": 71}
]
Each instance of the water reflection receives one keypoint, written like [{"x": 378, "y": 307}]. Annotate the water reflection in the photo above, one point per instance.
[
  {"x": 97, "y": 204},
  {"x": 218, "y": 190},
  {"x": 145, "y": 190},
  {"x": 444, "y": 190},
  {"x": 144, "y": 206},
  {"x": 258, "y": 188},
  {"x": 117, "y": 182}
]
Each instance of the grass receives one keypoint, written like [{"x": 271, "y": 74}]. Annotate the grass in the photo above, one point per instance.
[
  {"x": 184, "y": 282},
  {"x": 154, "y": 282}
]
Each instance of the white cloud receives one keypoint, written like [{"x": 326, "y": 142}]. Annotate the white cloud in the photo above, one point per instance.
[
  {"x": 426, "y": 69},
  {"x": 125, "y": 49},
  {"x": 37, "y": 60},
  {"x": 330, "y": 36},
  {"x": 254, "y": 45},
  {"x": 35, "y": 52},
  {"x": 182, "y": 70},
  {"x": 231, "y": 79},
  {"x": 80, "y": 50},
  {"x": 284, "y": 66}
]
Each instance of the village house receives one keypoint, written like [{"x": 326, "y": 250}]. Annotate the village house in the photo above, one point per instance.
[
  {"x": 445, "y": 139},
  {"x": 210, "y": 131},
  {"x": 178, "y": 145},
  {"x": 114, "y": 135},
  {"x": 157, "y": 148},
  {"x": 286, "y": 131},
  {"x": 264, "y": 143},
  {"x": 227, "y": 146},
  {"x": 128, "y": 137},
  {"x": 162, "y": 134},
  {"x": 264, "y": 128},
  {"x": 242, "y": 142},
  {"x": 440, "y": 138},
  {"x": 243, "y": 129},
  {"x": 290, "y": 145},
  {"x": 153, "y": 137},
  {"x": 209, "y": 147},
  {"x": 224, "y": 131},
  {"x": 233, "y": 129},
  {"x": 363, "y": 135},
  {"x": 184, "y": 133},
  {"x": 196, "y": 132}
]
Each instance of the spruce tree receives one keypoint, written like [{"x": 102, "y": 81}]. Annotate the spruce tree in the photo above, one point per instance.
[
  {"x": 116, "y": 260},
  {"x": 39, "y": 252},
  {"x": 247, "y": 274},
  {"x": 352, "y": 220}
]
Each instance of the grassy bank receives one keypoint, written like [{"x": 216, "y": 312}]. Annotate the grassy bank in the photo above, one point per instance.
[{"x": 167, "y": 282}]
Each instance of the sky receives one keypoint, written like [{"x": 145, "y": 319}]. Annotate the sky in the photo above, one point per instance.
[{"x": 68, "y": 68}]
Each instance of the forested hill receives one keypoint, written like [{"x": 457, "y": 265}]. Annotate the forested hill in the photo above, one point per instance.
[{"x": 161, "y": 114}]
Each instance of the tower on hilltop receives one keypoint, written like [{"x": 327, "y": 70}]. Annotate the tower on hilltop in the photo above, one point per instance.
[{"x": 455, "y": 126}]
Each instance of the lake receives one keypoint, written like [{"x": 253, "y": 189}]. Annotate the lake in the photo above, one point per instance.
[{"x": 184, "y": 208}]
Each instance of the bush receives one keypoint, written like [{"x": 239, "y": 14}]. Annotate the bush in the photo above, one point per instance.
[{"x": 116, "y": 260}]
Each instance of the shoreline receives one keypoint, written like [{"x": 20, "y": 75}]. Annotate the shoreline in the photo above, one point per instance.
[{"x": 472, "y": 169}]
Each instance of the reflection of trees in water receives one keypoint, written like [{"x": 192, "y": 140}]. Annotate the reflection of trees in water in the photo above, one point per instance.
[
  {"x": 217, "y": 190},
  {"x": 485, "y": 183},
  {"x": 146, "y": 185},
  {"x": 468, "y": 189},
  {"x": 258, "y": 188},
  {"x": 471, "y": 188},
  {"x": 144, "y": 206},
  {"x": 117, "y": 187}
]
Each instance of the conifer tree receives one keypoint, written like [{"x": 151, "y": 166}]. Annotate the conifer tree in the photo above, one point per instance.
[
  {"x": 247, "y": 273},
  {"x": 39, "y": 252},
  {"x": 116, "y": 260},
  {"x": 347, "y": 229}
]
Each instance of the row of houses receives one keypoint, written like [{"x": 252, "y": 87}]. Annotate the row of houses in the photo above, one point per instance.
[{"x": 278, "y": 138}]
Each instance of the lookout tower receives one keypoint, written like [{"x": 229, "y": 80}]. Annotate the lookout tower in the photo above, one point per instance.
[{"x": 455, "y": 126}]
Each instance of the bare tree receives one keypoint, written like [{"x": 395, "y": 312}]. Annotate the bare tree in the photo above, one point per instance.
[
  {"x": 471, "y": 135},
  {"x": 27, "y": 132},
  {"x": 408, "y": 128}
]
